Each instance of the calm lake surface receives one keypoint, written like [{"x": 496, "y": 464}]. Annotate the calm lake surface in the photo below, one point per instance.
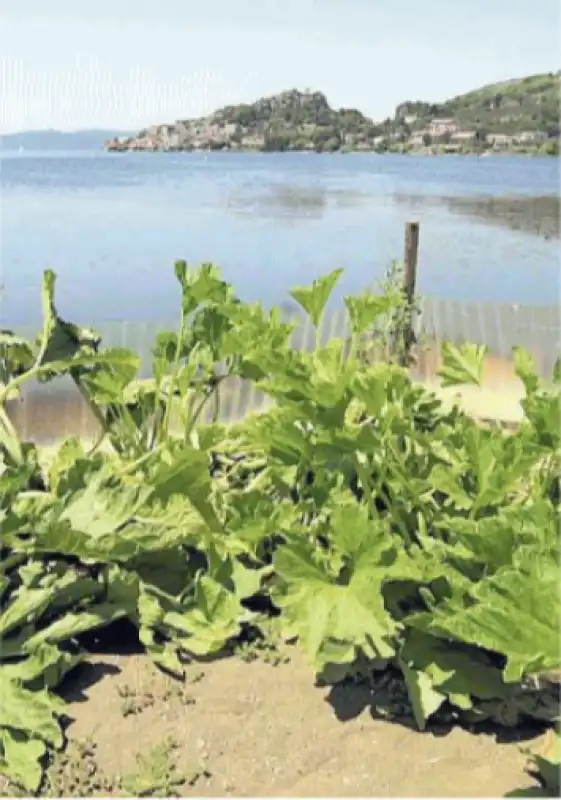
[{"x": 112, "y": 225}]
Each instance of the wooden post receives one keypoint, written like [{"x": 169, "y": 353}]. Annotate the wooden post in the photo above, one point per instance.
[{"x": 410, "y": 258}]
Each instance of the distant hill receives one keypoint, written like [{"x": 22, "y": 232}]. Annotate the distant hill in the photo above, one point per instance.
[
  {"x": 58, "y": 140},
  {"x": 516, "y": 116},
  {"x": 510, "y": 108},
  {"x": 291, "y": 120}
]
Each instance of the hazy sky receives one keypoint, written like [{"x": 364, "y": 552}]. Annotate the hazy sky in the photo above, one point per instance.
[{"x": 127, "y": 63}]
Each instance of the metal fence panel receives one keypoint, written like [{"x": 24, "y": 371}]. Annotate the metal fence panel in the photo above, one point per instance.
[{"x": 54, "y": 410}]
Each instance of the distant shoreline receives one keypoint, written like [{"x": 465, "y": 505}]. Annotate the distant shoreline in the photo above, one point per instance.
[
  {"x": 416, "y": 153},
  {"x": 227, "y": 151},
  {"x": 519, "y": 117}
]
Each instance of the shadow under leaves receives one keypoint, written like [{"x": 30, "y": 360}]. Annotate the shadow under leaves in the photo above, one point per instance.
[{"x": 349, "y": 699}]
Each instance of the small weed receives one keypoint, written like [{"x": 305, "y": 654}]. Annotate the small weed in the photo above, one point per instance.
[
  {"x": 134, "y": 701},
  {"x": 158, "y": 776},
  {"x": 394, "y": 340},
  {"x": 174, "y": 690},
  {"x": 9, "y": 789},
  {"x": 266, "y": 645},
  {"x": 75, "y": 773},
  {"x": 197, "y": 773},
  {"x": 263, "y": 651}
]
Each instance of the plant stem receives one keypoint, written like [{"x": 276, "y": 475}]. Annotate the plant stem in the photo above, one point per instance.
[
  {"x": 12, "y": 441},
  {"x": 365, "y": 480},
  {"x": 352, "y": 348},
  {"x": 15, "y": 383},
  {"x": 200, "y": 408},
  {"x": 94, "y": 408},
  {"x": 216, "y": 415},
  {"x": 175, "y": 370}
]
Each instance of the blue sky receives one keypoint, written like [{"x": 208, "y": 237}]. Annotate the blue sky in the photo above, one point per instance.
[{"x": 71, "y": 64}]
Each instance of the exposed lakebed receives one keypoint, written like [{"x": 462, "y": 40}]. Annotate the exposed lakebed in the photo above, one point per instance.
[{"x": 539, "y": 215}]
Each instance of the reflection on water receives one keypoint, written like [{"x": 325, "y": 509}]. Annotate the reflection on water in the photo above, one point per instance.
[
  {"x": 535, "y": 215},
  {"x": 294, "y": 202},
  {"x": 538, "y": 215},
  {"x": 112, "y": 227}
]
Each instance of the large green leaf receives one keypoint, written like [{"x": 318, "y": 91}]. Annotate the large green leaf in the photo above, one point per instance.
[
  {"x": 201, "y": 285},
  {"x": 367, "y": 309},
  {"x": 43, "y": 669},
  {"x": 76, "y": 360},
  {"x": 488, "y": 468},
  {"x": 462, "y": 364},
  {"x": 109, "y": 376},
  {"x": 525, "y": 368},
  {"x": 425, "y": 699},
  {"x": 502, "y": 538},
  {"x": 26, "y": 607},
  {"x": 514, "y": 612},
  {"x": 21, "y": 759},
  {"x": 211, "y": 622},
  {"x": 185, "y": 471},
  {"x": 335, "y": 617},
  {"x": 115, "y": 359},
  {"x": 436, "y": 670},
  {"x": 377, "y": 385},
  {"x": 16, "y": 356},
  {"x": 313, "y": 299},
  {"x": 74, "y": 624},
  {"x": 30, "y": 712},
  {"x": 104, "y": 506},
  {"x": 60, "y": 340}
]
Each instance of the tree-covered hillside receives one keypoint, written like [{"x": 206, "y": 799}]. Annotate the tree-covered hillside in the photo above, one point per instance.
[
  {"x": 515, "y": 115},
  {"x": 511, "y": 107}
]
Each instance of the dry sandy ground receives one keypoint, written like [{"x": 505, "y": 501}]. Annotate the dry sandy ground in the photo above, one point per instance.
[{"x": 249, "y": 729}]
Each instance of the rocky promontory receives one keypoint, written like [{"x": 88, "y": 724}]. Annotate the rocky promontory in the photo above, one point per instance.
[{"x": 291, "y": 120}]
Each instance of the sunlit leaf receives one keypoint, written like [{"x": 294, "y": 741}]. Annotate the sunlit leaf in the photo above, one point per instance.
[
  {"x": 525, "y": 368},
  {"x": 333, "y": 619},
  {"x": 21, "y": 759},
  {"x": 30, "y": 712},
  {"x": 313, "y": 299},
  {"x": 211, "y": 622},
  {"x": 60, "y": 339},
  {"x": 425, "y": 699},
  {"x": 514, "y": 612},
  {"x": 367, "y": 309},
  {"x": 462, "y": 365}
]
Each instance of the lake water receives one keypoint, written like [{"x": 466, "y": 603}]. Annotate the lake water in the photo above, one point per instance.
[{"x": 112, "y": 225}]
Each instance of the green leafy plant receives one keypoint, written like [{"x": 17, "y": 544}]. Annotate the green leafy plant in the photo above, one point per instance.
[
  {"x": 158, "y": 776},
  {"x": 382, "y": 532},
  {"x": 388, "y": 332}
]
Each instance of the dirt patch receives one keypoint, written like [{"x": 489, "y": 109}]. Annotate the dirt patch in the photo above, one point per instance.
[{"x": 249, "y": 729}]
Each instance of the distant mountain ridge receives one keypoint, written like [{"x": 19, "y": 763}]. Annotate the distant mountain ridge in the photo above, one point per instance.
[
  {"x": 520, "y": 114},
  {"x": 58, "y": 140}
]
